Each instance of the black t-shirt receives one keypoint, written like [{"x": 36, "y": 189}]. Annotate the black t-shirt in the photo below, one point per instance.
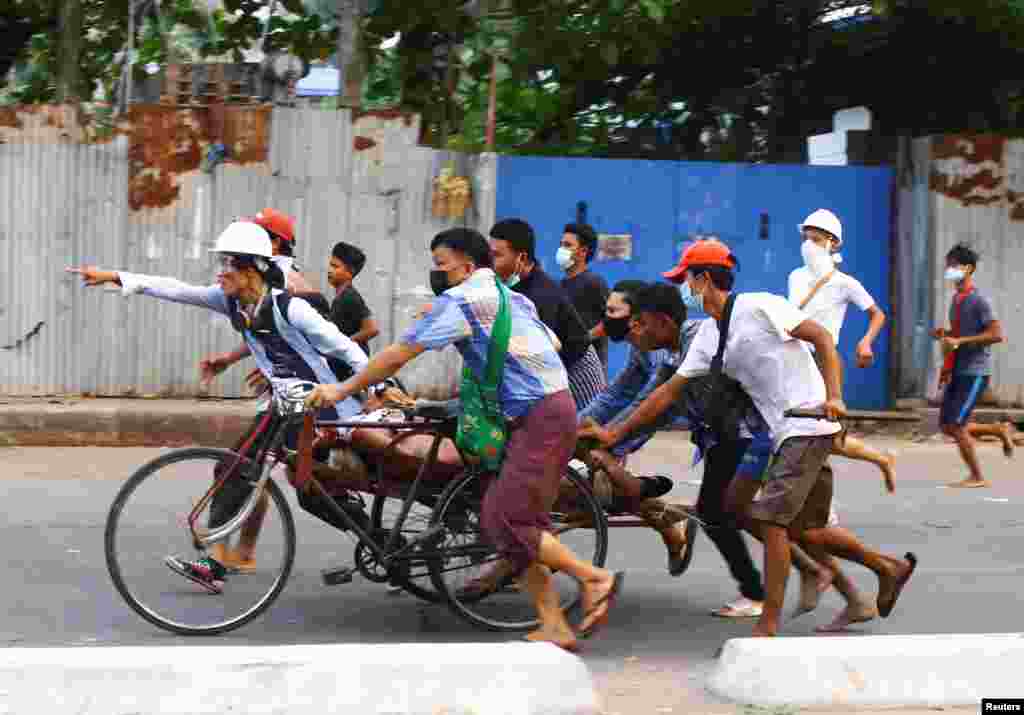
[
  {"x": 348, "y": 311},
  {"x": 589, "y": 294},
  {"x": 555, "y": 310}
]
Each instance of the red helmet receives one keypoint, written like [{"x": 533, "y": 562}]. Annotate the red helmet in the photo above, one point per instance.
[{"x": 277, "y": 223}]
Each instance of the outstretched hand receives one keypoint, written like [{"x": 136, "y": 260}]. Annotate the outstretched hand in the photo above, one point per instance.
[{"x": 93, "y": 276}]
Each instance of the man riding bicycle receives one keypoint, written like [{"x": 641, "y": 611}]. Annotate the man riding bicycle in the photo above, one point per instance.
[{"x": 288, "y": 338}]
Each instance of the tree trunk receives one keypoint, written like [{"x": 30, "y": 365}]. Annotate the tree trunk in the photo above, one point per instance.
[
  {"x": 351, "y": 66},
  {"x": 70, "y": 51}
]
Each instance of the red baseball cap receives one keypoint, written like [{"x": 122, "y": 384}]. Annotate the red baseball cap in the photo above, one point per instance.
[
  {"x": 277, "y": 223},
  {"x": 706, "y": 252}
]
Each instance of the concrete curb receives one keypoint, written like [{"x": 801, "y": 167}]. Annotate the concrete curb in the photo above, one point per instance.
[
  {"x": 870, "y": 672},
  {"x": 123, "y": 422},
  {"x": 402, "y": 679}
]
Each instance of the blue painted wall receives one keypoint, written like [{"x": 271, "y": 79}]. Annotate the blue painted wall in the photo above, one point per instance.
[{"x": 663, "y": 204}]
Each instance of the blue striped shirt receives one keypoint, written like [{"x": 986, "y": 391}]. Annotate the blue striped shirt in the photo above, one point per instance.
[{"x": 463, "y": 316}]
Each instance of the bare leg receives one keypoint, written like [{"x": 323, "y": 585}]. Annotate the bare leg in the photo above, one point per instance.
[
  {"x": 245, "y": 552},
  {"x": 967, "y": 451},
  {"x": 842, "y": 543},
  {"x": 777, "y": 562},
  {"x": 553, "y": 626},
  {"x": 595, "y": 582},
  {"x": 1001, "y": 431},
  {"x": 853, "y": 448},
  {"x": 815, "y": 579}
]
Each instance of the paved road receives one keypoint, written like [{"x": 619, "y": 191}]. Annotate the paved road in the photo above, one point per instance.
[{"x": 661, "y": 642}]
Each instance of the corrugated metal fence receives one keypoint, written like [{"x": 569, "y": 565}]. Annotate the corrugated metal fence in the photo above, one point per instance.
[
  {"x": 960, "y": 188},
  {"x": 144, "y": 198}
]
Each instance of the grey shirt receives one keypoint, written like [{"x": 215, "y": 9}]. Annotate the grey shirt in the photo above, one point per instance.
[{"x": 975, "y": 317}]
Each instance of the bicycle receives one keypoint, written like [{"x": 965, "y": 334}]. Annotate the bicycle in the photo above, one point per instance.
[{"x": 390, "y": 548}]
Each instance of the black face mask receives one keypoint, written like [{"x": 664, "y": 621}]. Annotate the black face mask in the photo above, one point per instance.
[
  {"x": 438, "y": 282},
  {"x": 616, "y": 328}
]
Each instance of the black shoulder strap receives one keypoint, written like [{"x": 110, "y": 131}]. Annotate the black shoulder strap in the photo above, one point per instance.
[{"x": 723, "y": 335}]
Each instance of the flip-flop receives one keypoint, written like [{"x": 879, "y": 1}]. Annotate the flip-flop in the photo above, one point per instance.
[
  {"x": 608, "y": 601},
  {"x": 885, "y": 609},
  {"x": 969, "y": 484},
  {"x": 678, "y": 563}
]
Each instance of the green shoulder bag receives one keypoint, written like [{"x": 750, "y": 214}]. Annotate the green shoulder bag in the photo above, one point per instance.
[{"x": 482, "y": 431}]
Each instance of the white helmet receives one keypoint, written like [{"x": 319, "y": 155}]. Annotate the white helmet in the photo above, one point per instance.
[
  {"x": 826, "y": 221},
  {"x": 244, "y": 238}
]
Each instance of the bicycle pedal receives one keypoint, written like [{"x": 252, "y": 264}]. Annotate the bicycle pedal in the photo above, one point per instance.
[{"x": 337, "y": 576}]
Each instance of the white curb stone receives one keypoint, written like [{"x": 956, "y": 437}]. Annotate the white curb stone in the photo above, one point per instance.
[
  {"x": 870, "y": 671},
  {"x": 406, "y": 679}
]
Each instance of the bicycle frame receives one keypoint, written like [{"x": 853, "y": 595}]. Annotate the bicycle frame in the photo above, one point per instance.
[{"x": 273, "y": 452}]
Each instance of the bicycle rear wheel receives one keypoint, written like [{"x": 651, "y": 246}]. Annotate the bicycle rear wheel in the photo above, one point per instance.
[
  {"x": 463, "y": 561},
  {"x": 148, "y": 521}
]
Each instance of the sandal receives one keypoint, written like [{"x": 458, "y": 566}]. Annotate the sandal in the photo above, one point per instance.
[
  {"x": 884, "y": 609},
  {"x": 740, "y": 608},
  {"x": 678, "y": 562}
]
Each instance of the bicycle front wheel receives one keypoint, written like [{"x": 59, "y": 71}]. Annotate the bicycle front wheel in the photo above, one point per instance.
[
  {"x": 148, "y": 522},
  {"x": 474, "y": 578}
]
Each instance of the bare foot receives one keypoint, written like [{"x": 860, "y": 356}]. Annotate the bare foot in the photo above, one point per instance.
[
  {"x": 853, "y": 613},
  {"x": 889, "y": 472},
  {"x": 970, "y": 483},
  {"x": 811, "y": 588},
  {"x": 597, "y": 599},
  {"x": 562, "y": 637}
]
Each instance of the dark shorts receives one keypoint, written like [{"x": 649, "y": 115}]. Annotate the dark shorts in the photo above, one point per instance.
[
  {"x": 961, "y": 397},
  {"x": 517, "y": 506},
  {"x": 797, "y": 491}
]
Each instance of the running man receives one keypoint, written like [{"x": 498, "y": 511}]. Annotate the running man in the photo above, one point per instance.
[
  {"x": 967, "y": 367},
  {"x": 824, "y": 292},
  {"x": 765, "y": 355}
]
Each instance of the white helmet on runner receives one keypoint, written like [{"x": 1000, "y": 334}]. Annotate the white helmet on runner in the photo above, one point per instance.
[
  {"x": 826, "y": 221},
  {"x": 245, "y": 239}
]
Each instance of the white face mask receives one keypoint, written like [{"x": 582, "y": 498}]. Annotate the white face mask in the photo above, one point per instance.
[
  {"x": 563, "y": 257},
  {"x": 817, "y": 258},
  {"x": 955, "y": 275}
]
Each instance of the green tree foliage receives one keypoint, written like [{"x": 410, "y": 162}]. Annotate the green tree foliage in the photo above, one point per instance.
[{"x": 170, "y": 30}]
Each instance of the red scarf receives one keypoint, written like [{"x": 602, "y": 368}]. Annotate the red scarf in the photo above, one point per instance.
[{"x": 961, "y": 295}]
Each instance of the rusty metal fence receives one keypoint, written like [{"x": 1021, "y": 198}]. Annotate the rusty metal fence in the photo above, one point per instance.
[
  {"x": 150, "y": 194},
  {"x": 959, "y": 188}
]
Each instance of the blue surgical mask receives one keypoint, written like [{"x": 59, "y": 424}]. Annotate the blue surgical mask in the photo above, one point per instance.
[
  {"x": 692, "y": 301},
  {"x": 563, "y": 257},
  {"x": 955, "y": 275}
]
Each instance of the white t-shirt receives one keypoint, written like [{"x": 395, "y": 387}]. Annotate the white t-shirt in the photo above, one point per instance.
[
  {"x": 776, "y": 369},
  {"x": 828, "y": 306}
]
